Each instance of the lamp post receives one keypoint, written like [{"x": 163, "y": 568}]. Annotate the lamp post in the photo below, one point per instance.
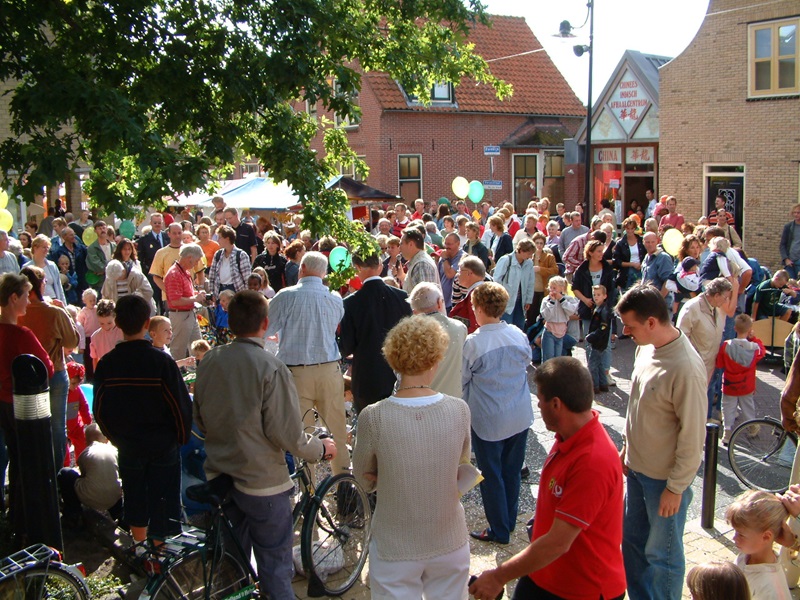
[{"x": 565, "y": 31}]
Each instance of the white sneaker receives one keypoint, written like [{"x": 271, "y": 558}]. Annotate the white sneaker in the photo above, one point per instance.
[
  {"x": 611, "y": 381},
  {"x": 726, "y": 439}
]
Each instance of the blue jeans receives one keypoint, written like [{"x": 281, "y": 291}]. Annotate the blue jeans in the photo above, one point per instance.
[
  {"x": 792, "y": 270},
  {"x": 59, "y": 390},
  {"x": 501, "y": 463},
  {"x": 551, "y": 345},
  {"x": 517, "y": 316},
  {"x": 263, "y": 524},
  {"x": 606, "y": 354},
  {"x": 714, "y": 391},
  {"x": 596, "y": 365},
  {"x": 652, "y": 546}
]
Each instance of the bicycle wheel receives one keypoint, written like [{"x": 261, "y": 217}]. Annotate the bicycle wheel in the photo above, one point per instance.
[
  {"x": 335, "y": 536},
  {"x": 761, "y": 455},
  {"x": 186, "y": 578},
  {"x": 52, "y": 582}
]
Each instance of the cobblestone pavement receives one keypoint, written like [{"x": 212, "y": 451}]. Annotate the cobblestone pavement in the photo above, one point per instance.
[{"x": 700, "y": 545}]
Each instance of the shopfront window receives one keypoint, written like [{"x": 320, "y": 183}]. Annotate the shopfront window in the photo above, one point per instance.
[{"x": 607, "y": 172}]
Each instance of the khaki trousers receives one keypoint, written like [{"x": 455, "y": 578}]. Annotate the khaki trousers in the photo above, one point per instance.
[{"x": 322, "y": 387}]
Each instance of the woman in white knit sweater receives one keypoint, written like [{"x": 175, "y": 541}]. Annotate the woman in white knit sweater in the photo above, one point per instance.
[{"x": 409, "y": 447}]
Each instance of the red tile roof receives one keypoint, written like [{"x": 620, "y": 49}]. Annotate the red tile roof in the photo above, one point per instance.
[{"x": 539, "y": 87}]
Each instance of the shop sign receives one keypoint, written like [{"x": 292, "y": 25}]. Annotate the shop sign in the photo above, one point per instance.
[
  {"x": 640, "y": 156},
  {"x": 608, "y": 155},
  {"x": 629, "y": 101}
]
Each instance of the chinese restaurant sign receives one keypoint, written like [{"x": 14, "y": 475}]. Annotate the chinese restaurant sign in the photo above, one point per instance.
[{"x": 629, "y": 101}]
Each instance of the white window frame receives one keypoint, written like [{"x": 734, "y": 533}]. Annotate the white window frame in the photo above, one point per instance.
[
  {"x": 539, "y": 173},
  {"x": 351, "y": 172},
  {"x": 401, "y": 180},
  {"x": 345, "y": 123},
  {"x": 774, "y": 59}
]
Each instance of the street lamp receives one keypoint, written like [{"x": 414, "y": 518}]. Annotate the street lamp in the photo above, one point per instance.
[{"x": 565, "y": 31}]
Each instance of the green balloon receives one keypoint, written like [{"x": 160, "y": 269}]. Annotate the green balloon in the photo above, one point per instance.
[
  {"x": 339, "y": 258},
  {"x": 475, "y": 191},
  {"x": 127, "y": 229}
]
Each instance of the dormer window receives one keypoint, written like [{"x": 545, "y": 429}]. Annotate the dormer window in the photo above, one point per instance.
[{"x": 441, "y": 93}]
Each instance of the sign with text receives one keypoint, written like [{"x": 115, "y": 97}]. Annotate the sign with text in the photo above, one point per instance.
[
  {"x": 492, "y": 184},
  {"x": 608, "y": 155},
  {"x": 491, "y": 150},
  {"x": 629, "y": 101},
  {"x": 640, "y": 156}
]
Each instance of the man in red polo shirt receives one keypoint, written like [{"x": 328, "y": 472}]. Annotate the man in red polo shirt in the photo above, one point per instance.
[
  {"x": 575, "y": 550},
  {"x": 180, "y": 297}
]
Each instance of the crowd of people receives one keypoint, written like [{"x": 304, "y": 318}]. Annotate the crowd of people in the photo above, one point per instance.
[{"x": 433, "y": 339}]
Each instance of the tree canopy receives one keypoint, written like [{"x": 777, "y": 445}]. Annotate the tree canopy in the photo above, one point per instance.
[{"x": 158, "y": 97}]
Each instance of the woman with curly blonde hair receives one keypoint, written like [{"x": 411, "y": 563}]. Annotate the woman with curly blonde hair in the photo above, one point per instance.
[{"x": 409, "y": 446}]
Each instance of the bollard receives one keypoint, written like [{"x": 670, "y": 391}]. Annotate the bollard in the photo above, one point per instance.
[
  {"x": 37, "y": 468},
  {"x": 710, "y": 476}
]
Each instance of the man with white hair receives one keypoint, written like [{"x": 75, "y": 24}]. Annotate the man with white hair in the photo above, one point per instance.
[
  {"x": 180, "y": 296},
  {"x": 384, "y": 227},
  {"x": 471, "y": 273},
  {"x": 8, "y": 262},
  {"x": 305, "y": 317},
  {"x": 427, "y": 299},
  {"x": 164, "y": 259}
]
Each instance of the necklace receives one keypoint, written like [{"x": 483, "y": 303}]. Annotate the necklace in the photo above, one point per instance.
[{"x": 414, "y": 387}]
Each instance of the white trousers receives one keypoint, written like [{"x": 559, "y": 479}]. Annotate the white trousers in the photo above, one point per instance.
[
  {"x": 730, "y": 406},
  {"x": 442, "y": 578}
]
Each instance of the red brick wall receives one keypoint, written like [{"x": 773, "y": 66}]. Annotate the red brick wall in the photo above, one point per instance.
[{"x": 451, "y": 145}]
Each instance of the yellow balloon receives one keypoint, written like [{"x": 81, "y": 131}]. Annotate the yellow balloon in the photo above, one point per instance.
[
  {"x": 460, "y": 187},
  {"x": 3, "y": 198},
  {"x": 6, "y": 220},
  {"x": 89, "y": 236},
  {"x": 671, "y": 242}
]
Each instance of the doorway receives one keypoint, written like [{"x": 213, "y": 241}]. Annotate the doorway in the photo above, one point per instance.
[{"x": 635, "y": 187}]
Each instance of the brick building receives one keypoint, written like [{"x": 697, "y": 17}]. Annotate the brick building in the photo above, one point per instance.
[
  {"x": 416, "y": 151},
  {"x": 730, "y": 119}
]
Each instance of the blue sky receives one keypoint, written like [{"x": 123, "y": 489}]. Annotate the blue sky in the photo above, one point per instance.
[{"x": 663, "y": 27}]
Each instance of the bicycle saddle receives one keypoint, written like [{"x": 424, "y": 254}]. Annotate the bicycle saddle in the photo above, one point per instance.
[{"x": 211, "y": 492}]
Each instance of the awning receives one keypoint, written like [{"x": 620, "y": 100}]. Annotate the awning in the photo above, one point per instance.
[
  {"x": 357, "y": 190},
  {"x": 258, "y": 193}
]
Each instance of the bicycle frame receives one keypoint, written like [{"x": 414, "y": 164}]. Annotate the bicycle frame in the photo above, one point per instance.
[{"x": 204, "y": 541}]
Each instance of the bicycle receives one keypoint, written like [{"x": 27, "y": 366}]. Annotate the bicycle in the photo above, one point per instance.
[
  {"x": 761, "y": 453},
  {"x": 334, "y": 541},
  {"x": 38, "y": 572}
]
